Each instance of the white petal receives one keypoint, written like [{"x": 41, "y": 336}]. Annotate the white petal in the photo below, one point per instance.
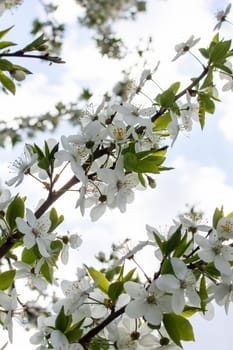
[
  {"x": 153, "y": 315},
  {"x": 179, "y": 268},
  {"x": 59, "y": 340},
  {"x": 29, "y": 240},
  {"x": 23, "y": 226},
  {"x": 97, "y": 211},
  {"x": 42, "y": 246},
  {"x": 178, "y": 301},
  {"x": 222, "y": 266},
  {"x": 135, "y": 290},
  {"x": 135, "y": 309},
  {"x": 168, "y": 283}
]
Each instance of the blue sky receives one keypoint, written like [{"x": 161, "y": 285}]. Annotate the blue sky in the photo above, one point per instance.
[{"x": 203, "y": 159}]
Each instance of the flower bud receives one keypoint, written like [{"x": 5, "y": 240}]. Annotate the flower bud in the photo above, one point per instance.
[{"x": 18, "y": 75}]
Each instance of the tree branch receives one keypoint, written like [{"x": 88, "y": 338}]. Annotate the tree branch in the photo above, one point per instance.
[{"x": 85, "y": 340}]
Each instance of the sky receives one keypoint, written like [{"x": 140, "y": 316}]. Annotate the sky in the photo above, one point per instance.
[{"x": 202, "y": 159}]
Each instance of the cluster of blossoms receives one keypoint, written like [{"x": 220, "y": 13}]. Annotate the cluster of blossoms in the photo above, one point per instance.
[
  {"x": 100, "y": 12},
  {"x": 118, "y": 148},
  {"x": 177, "y": 285},
  {"x": 8, "y": 4}
]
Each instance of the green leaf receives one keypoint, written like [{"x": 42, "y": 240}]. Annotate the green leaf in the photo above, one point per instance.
[
  {"x": 115, "y": 290},
  {"x": 166, "y": 267},
  {"x": 14, "y": 210},
  {"x": 178, "y": 328},
  {"x": 218, "y": 214},
  {"x": 4, "y": 44},
  {"x": 142, "y": 179},
  {"x": 5, "y": 31},
  {"x": 182, "y": 246},
  {"x": 35, "y": 44},
  {"x": 29, "y": 256},
  {"x": 99, "y": 278},
  {"x": 175, "y": 87},
  {"x": 219, "y": 52},
  {"x": 173, "y": 241},
  {"x": 99, "y": 343},
  {"x": 47, "y": 271},
  {"x": 190, "y": 311},
  {"x": 75, "y": 333},
  {"x": 7, "y": 83},
  {"x": 56, "y": 246},
  {"x": 129, "y": 275},
  {"x": 206, "y": 104},
  {"x": 208, "y": 80},
  {"x": 62, "y": 321},
  {"x": 6, "y": 279},
  {"x": 204, "y": 52},
  {"x": 162, "y": 122},
  {"x": 161, "y": 245},
  {"x": 6, "y": 65},
  {"x": 166, "y": 99},
  {"x": 224, "y": 68},
  {"x": 203, "y": 293},
  {"x": 55, "y": 219}
]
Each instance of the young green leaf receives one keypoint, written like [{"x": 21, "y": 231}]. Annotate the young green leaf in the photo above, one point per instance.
[
  {"x": 14, "y": 210},
  {"x": 7, "y": 83},
  {"x": 178, "y": 328},
  {"x": 99, "y": 278},
  {"x": 6, "y": 279}
]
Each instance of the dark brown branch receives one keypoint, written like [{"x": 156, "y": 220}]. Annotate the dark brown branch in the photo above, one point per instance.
[
  {"x": 53, "y": 197},
  {"x": 85, "y": 340},
  {"x": 45, "y": 57},
  {"x": 182, "y": 93}
]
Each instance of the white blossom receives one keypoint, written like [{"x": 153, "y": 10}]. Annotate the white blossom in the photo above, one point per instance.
[
  {"x": 36, "y": 232},
  {"x": 184, "y": 47},
  {"x": 212, "y": 249},
  {"x": 221, "y": 16},
  {"x": 225, "y": 228},
  {"x": 119, "y": 185},
  {"x": 182, "y": 286},
  {"x": 22, "y": 166},
  {"x": 149, "y": 303}
]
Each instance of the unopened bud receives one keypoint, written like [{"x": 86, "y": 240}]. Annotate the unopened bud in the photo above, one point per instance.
[
  {"x": 18, "y": 75},
  {"x": 151, "y": 182}
]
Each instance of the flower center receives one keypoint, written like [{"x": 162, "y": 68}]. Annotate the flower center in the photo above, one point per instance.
[
  {"x": 151, "y": 298},
  {"x": 227, "y": 227}
]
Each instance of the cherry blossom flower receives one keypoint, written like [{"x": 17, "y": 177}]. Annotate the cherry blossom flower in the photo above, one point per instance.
[
  {"x": 184, "y": 47},
  {"x": 36, "y": 232},
  {"x": 72, "y": 241},
  {"x": 225, "y": 228},
  {"x": 9, "y": 303},
  {"x": 22, "y": 166},
  {"x": 75, "y": 153},
  {"x": 189, "y": 113},
  {"x": 223, "y": 293},
  {"x": 119, "y": 185},
  {"x": 126, "y": 333},
  {"x": 149, "y": 302},
  {"x": 5, "y": 197},
  {"x": 76, "y": 292},
  {"x": 221, "y": 16},
  {"x": 132, "y": 115},
  {"x": 35, "y": 280},
  {"x": 213, "y": 250},
  {"x": 182, "y": 285}
]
